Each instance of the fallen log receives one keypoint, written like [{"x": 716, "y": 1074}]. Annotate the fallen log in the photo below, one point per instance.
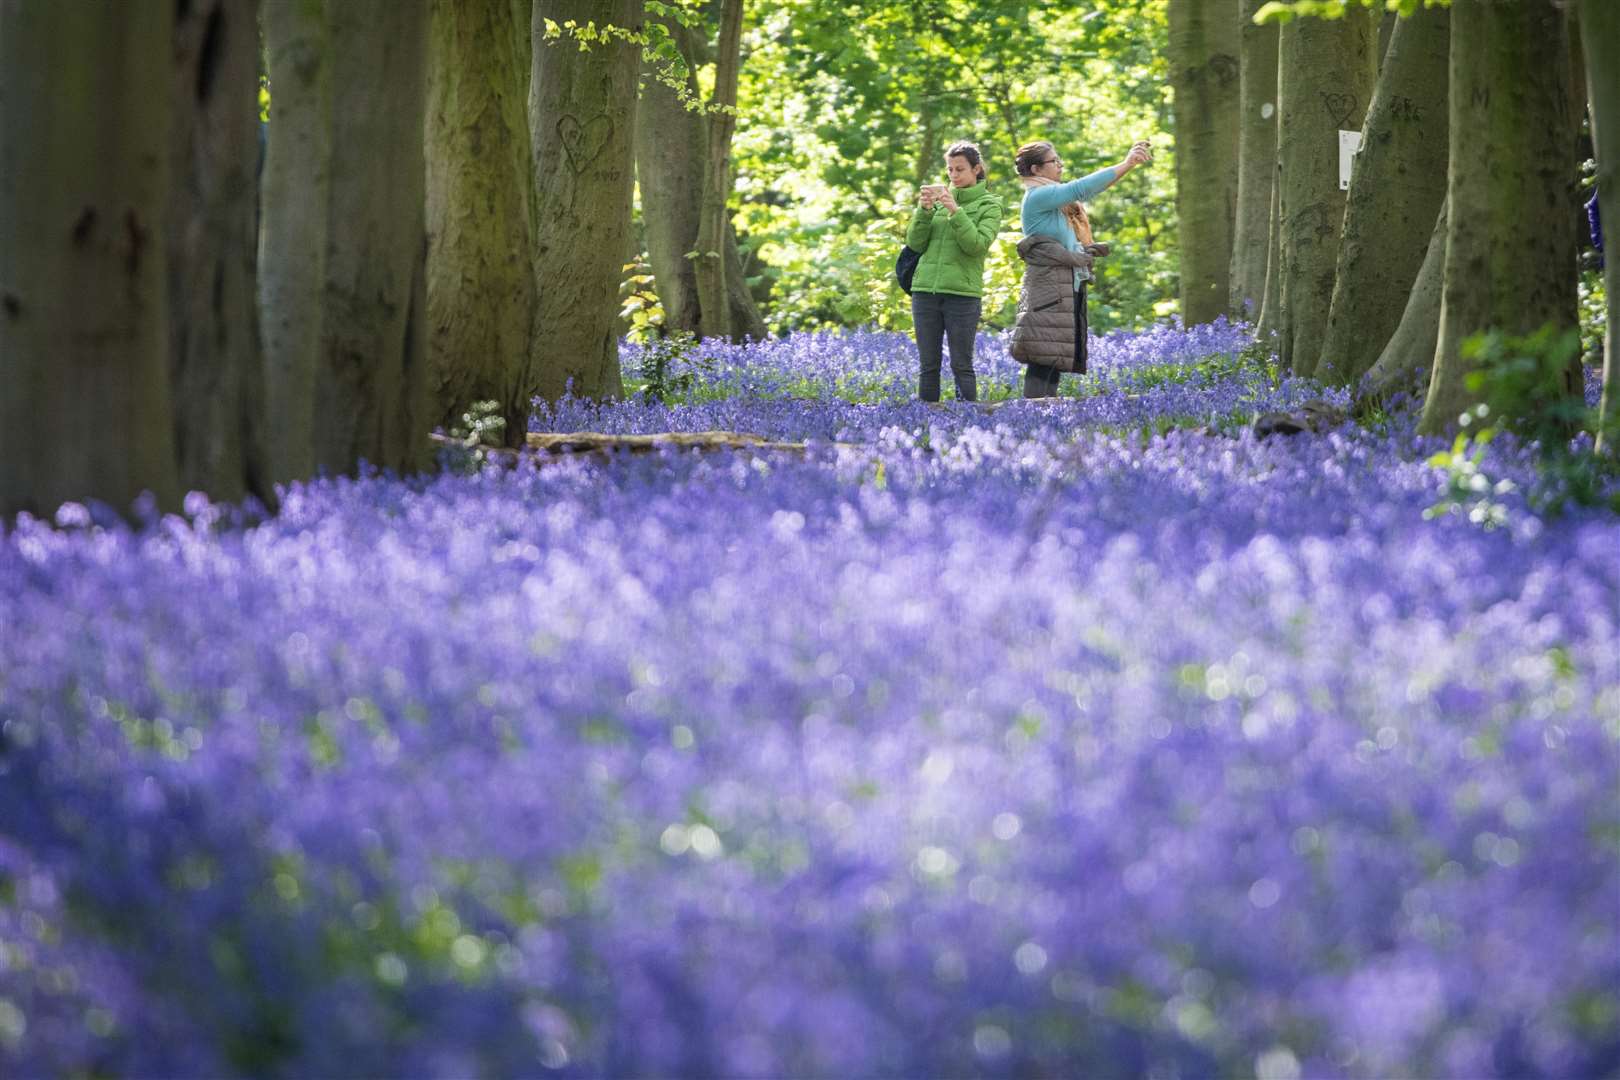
[
  {"x": 547, "y": 443},
  {"x": 574, "y": 442}
]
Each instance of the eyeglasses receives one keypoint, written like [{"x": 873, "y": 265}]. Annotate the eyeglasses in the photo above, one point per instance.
[{"x": 1052, "y": 161}]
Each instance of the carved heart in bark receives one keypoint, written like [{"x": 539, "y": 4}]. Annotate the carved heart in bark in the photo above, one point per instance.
[
  {"x": 1340, "y": 106},
  {"x": 582, "y": 143}
]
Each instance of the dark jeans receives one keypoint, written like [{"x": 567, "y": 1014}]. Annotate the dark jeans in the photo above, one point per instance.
[
  {"x": 938, "y": 316},
  {"x": 1042, "y": 381}
]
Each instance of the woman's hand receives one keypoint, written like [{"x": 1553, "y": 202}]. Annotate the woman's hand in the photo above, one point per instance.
[
  {"x": 947, "y": 200},
  {"x": 925, "y": 198},
  {"x": 1141, "y": 154}
]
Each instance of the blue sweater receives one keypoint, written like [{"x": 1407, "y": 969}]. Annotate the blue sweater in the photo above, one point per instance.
[{"x": 1041, "y": 213}]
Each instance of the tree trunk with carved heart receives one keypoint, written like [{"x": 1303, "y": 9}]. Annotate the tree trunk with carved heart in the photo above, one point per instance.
[
  {"x": 581, "y": 122},
  {"x": 1204, "y": 71},
  {"x": 1510, "y": 241},
  {"x": 1327, "y": 69},
  {"x": 1397, "y": 185},
  {"x": 84, "y": 316}
]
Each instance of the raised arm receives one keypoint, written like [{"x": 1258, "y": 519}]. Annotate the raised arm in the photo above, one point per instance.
[
  {"x": 1055, "y": 195},
  {"x": 1050, "y": 198}
]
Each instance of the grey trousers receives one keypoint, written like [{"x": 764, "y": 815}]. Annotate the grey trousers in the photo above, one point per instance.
[
  {"x": 938, "y": 316},
  {"x": 1042, "y": 381}
]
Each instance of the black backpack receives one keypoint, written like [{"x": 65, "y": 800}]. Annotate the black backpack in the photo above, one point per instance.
[{"x": 905, "y": 267}]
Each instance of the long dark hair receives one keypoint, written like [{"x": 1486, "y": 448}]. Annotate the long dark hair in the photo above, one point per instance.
[{"x": 969, "y": 151}]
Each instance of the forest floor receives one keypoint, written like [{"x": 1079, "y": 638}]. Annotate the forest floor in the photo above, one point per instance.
[{"x": 1091, "y": 737}]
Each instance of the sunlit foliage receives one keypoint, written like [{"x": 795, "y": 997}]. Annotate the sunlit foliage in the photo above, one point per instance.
[{"x": 846, "y": 107}]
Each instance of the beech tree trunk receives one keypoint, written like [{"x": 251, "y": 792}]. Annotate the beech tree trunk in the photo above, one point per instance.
[
  {"x": 1204, "y": 73},
  {"x": 1408, "y": 355},
  {"x": 215, "y": 374},
  {"x": 1386, "y": 35},
  {"x": 370, "y": 382},
  {"x": 1327, "y": 71},
  {"x": 84, "y": 314},
  {"x": 1510, "y": 247},
  {"x": 1398, "y": 183},
  {"x": 670, "y": 140},
  {"x": 581, "y": 123},
  {"x": 714, "y": 217},
  {"x": 1600, "y": 40},
  {"x": 1271, "y": 309},
  {"x": 1257, "y": 162},
  {"x": 294, "y": 204},
  {"x": 928, "y": 148},
  {"x": 480, "y": 198}
]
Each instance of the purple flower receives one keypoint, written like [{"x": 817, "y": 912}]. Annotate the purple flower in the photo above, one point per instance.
[{"x": 1026, "y": 740}]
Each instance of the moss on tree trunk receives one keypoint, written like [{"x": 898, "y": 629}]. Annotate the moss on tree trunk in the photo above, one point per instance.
[
  {"x": 480, "y": 200},
  {"x": 1510, "y": 242},
  {"x": 1204, "y": 67}
]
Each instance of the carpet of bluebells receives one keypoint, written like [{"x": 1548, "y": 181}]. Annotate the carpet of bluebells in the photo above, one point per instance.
[{"x": 1093, "y": 737}]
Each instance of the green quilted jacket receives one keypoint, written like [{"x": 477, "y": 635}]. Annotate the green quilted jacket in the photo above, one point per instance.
[{"x": 953, "y": 246}]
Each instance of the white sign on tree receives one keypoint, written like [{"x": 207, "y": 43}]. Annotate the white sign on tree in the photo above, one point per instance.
[{"x": 1349, "y": 146}]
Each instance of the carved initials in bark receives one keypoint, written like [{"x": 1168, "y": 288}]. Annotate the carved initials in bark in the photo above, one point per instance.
[
  {"x": 583, "y": 143},
  {"x": 1340, "y": 106},
  {"x": 1404, "y": 108}
]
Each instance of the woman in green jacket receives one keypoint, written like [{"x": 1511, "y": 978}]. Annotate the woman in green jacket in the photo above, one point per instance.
[{"x": 952, "y": 228}]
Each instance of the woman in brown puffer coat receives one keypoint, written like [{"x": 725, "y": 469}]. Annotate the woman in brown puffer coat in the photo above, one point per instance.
[
  {"x": 1050, "y": 331},
  {"x": 1049, "y": 336}
]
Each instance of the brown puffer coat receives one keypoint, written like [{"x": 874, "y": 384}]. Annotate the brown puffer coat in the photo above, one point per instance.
[{"x": 1043, "y": 332}]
